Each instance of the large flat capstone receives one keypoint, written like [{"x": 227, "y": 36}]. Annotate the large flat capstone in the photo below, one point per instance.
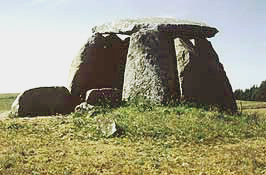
[{"x": 178, "y": 28}]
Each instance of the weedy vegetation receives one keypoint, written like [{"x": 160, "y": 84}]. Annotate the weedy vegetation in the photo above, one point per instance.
[{"x": 150, "y": 139}]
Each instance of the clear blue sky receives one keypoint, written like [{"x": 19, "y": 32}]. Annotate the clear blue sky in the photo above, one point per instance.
[{"x": 39, "y": 38}]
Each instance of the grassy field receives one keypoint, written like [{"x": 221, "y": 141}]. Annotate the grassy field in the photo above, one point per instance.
[
  {"x": 6, "y": 101},
  {"x": 150, "y": 140}
]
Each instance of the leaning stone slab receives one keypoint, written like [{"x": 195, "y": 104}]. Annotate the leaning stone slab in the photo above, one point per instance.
[
  {"x": 179, "y": 28},
  {"x": 82, "y": 65},
  {"x": 201, "y": 75},
  {"x": 42, "y": 101},
  {"x": 100, "y": 64}
]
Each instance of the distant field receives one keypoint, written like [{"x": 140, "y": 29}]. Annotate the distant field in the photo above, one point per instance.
[
  {"x": 6, "y": 101},
  {"x": 252, "y": 107},
  {"x": 250, "y": 104}
]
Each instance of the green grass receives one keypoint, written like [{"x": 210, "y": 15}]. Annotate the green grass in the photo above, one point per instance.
[{"x": 151, "y": 139}]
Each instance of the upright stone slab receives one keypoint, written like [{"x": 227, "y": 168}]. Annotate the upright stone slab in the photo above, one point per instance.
[
  {"x": 168, "y": 66},
  {"x": 148, "y": 69},
  {"x": 184, "y": 54}
]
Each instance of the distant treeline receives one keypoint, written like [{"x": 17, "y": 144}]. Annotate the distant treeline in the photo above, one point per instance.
[{"x": 253, "y": 94}]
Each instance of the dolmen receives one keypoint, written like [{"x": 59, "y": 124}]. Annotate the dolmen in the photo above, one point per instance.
[
  {"x": 159, "y": 58},
  {"x": 162, "y": 59}
]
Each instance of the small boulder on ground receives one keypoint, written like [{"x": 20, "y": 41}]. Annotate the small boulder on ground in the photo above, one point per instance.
[
  {"x": 83, "y": 107},
  {"x": 106, "y": 125},
  {"x": 104, "y": 96},
  {"x": 43, "y": 101}
]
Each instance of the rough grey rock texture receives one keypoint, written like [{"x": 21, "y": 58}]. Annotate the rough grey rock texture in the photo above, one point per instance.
[
  {"x": 150, "y": 70},
  {"x": 178, "y": 28},
  {"x": 43, "y": 101},
  {"x": 100, "y": 64},
  {"x": 104, "y": 96},
  {"x": 184, "y": 55},
  {"x": 201, "y": 75}
]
